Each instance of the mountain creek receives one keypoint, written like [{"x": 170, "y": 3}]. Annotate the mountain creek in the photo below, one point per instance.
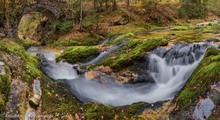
[{"x": 170, "y": 73}]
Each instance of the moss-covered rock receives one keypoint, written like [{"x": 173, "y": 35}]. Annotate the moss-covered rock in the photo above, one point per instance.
[
  {"x": 56, "y": 100},
  {"x": 204, "y": 75},
  {"x": 180, "y": 28},
  {"x": 132, "y": 52},
  {"x": 97, "y": 111},
  {"x": 24, "y": 67},
  {"x": 5, "y": 82},
  {"x": 79, "y": 54},
  {"x": 29, "y": 65},
  {"x": 120, "y": 38}
]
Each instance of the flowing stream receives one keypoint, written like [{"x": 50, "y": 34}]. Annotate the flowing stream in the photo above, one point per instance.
[{"x": 169, "y": 67}]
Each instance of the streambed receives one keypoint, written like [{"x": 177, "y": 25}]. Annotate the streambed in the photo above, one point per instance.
[{"x": 169, "y": 67}]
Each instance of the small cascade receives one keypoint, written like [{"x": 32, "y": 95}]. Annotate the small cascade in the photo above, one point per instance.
[
  {"x": 55, "y": 70},
  {"x": 101, "y": 56},
  {"x": 177, "y": 62},
  {"x": 169, "y": 67}
]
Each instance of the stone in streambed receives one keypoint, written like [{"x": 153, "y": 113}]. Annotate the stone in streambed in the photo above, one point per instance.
[
  {"x": 2, "y": 68},
  {"x": 91, "y": 74},
  {"x": 34, "y": 101}
]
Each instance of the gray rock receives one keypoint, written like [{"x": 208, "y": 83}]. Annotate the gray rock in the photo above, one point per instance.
[
  {"x": 203, "y": 109},
  {"x": 2, "y": 68}
]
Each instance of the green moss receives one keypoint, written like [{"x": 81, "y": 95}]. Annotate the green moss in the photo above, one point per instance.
[
  {"x": 133, "y": 52},
  {"x": 5, "y": 84},
  {"x": 57, "y": 100},
  {"x": 180, "y": 28},
  {"x": 129, "y": 28},
  {"x": 30, "y": 64},
  {"x": 26, "y": 43},
  {"x": 189, "y": 36},
  {"x": 120, "y": 38},
  {"x": 79, "y": 54},
  {"x": 86, "y": 41},
  {"x": 199, "y": 81},
  {"x": 97, "y": 111}
]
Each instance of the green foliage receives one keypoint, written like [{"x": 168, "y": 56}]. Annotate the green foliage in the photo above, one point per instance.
[
  {"x": 214, "y": 7},
  {"x": 194, "y": 8},
  {"x": 90, "y": 22},
  {"x": 79, "y": 54},
  {"x": 199, "y": 81},
  {"x": 63, "y": 26}
]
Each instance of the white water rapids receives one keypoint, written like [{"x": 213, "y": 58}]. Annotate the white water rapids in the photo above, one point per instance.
[{"x": 169, "y": 67}]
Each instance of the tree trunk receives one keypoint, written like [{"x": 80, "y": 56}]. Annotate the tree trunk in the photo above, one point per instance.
[
  {"x": 128, "y": 3},
  {"x": 81, "y": 14},
  {"x": 115, "y": 4}
]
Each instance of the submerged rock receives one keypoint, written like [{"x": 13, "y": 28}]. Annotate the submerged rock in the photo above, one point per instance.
[{"x": 91, "y": 74}]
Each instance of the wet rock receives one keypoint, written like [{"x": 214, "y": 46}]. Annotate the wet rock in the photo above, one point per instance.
[
  {"x": 159, "y": 112},
  {"x": 203, "y": 109},
  {"x": 2, "y": 68},
  {"x": 91, "y": 74},
  {"x": 183, "y": 53},
  {"x": 144, "y": 78},
  {"x": 30, "y": 114},
  {"x": 34, "y": 101},
  {"x": 105, "y": 69},
  {"x": 36, "y": 87},
  {"x": 78, "y": 69},
  {"x": 126, "y": 76}
]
